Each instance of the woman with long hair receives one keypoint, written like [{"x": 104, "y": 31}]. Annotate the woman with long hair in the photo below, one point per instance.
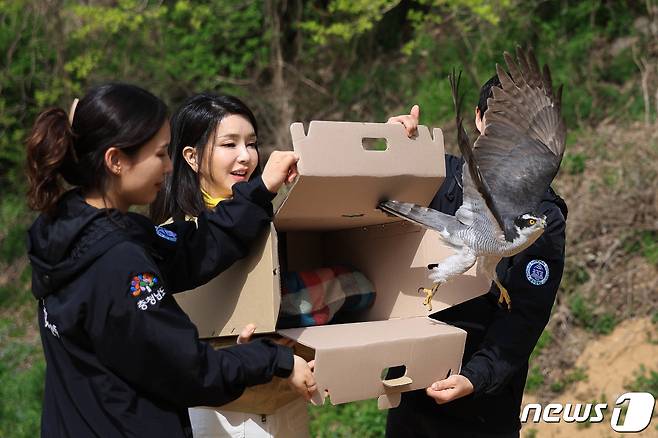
[{"x": 214, "y": 146}]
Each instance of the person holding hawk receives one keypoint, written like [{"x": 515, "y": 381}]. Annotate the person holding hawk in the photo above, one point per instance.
[{"x": 522, "y": 132}]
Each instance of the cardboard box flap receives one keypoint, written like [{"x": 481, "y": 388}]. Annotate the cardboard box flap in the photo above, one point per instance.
[
  {"x": 212, "y": 305},
  {"x": 350, "y": 359},
  {"x": 341, "y": 179},
  {"x": 395, "y": 257}
]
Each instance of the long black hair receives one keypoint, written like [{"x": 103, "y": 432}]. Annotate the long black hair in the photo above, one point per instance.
[
  {"x": 194, "y": 124},
  {"x": 111, "y": 115}
]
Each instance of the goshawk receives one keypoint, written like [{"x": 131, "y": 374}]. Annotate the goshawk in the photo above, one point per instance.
[{"x": 505, "y": 174}]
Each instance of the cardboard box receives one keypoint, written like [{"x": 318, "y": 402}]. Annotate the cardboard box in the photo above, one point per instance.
[{"x": 328, "y": 217}]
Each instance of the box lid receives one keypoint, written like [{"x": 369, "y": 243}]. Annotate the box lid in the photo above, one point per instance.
[
  {"x": 351, "y": 358},
  {"x": 342, "y": 180}
]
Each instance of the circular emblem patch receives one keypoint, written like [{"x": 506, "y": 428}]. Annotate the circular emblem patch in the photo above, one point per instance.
[
  {"x": 166, "y": 234},
  {"x": 537, "y": 272}
]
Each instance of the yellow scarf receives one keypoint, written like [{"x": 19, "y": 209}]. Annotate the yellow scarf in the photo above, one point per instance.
[{"x": 209, "y": 200}]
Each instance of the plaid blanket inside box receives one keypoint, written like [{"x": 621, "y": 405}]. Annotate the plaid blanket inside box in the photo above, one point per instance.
[{"x": 323, "y": 296}]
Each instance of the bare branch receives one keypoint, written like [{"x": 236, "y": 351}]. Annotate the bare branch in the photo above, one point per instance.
[{"x": 314, "y": 85}]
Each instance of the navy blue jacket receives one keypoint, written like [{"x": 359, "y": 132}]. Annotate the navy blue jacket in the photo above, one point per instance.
[
  {"x": 499, "y": 342},
  {"x": 122, "y": 358}
]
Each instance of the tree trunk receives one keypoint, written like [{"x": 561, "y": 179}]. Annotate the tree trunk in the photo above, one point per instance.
[{"x": 281, "y": 90}]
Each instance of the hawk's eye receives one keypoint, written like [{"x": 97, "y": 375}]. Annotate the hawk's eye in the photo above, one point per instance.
[{"x": 532, "y": 221}]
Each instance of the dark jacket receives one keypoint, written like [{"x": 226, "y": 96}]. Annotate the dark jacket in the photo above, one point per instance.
[
  {"x": 122, "y": 358},
  {"x": 499, "y": 342}
]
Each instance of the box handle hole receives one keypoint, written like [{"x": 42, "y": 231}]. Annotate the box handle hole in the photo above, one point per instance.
[
  {"x": 374, "y": 144},
  {"x": 393, "y": 377}
]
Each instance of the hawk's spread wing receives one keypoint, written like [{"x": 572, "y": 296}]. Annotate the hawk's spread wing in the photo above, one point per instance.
[
  {"x": 477, "y": 206},
  {"x": 519, "y": 153},
  {"x": 474, "y": 210}
]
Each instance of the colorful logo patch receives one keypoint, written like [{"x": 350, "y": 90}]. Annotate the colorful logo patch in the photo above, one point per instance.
[
  {"x": 537, "y": 272},
  {"x": 144, "y": 282},
  {"x": 166, "y": 234}
]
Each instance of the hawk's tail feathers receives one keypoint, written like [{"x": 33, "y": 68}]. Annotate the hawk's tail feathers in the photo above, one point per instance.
[{"x": 417, "y": 214}]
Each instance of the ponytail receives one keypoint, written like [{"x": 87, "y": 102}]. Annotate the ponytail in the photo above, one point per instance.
[
  {"x": 49, "y": 146},
  {"x": 116, "y": 115}
]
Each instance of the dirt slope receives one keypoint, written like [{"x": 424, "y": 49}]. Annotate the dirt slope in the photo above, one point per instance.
[{"x": 610, "y": 363}]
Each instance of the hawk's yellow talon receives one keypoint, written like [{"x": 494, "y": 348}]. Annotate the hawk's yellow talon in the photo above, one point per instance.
[
  {"x": 504, "y": 296},
  {"x": 429, "y": 294}
]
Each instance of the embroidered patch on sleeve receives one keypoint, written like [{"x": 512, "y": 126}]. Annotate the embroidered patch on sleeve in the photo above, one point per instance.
[
  {"x": 536, "y": 271},
  {"x": 166, "y": 234},
  {"x": 147, "y": 288}
]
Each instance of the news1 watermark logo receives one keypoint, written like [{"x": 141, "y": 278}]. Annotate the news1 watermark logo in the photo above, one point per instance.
[{"x": 638, "y": 412}]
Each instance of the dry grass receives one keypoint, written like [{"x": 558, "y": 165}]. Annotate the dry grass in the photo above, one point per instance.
[{"x": 609, "y": 180}]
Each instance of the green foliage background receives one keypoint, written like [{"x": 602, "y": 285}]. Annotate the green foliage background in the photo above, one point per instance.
[{"x": 293, "y": 60}]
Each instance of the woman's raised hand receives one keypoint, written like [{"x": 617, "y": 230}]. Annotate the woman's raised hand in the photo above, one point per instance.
[
  {"x": 409, "y": 121},
  {"x": 280, "y": 168}
]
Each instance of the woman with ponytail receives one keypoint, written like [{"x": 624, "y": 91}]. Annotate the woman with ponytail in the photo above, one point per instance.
[{"x": 122, "y": 358}]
